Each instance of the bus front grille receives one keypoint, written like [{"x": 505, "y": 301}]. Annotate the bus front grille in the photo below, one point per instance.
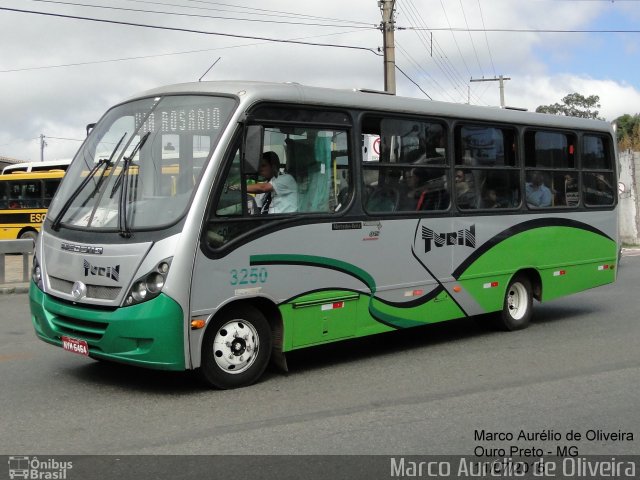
[
  {"x": 84, "y": 329},
  {"x": 99, "y": 292}
]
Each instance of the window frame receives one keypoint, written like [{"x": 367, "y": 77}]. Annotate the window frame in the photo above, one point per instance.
[
  {"x": 518, "y": 163},
  {"x": 611, "y": 171},
  {"x": 552, "y": 171},
  {"x": 257, "y": 225},
  {"x": 445, "y": 166}
]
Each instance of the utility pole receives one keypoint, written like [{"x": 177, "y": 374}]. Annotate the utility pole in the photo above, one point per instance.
[
  {"x": 42, "y": 145},
  {"x": 500, "y": 79},
  {"x": 387, "y": 26}
]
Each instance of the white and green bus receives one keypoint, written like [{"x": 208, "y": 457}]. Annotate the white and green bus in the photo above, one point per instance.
[{"x": 155, "y": 253}]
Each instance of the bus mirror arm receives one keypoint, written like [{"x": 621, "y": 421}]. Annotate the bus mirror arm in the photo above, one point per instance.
[{"x": 90, "y": 127}]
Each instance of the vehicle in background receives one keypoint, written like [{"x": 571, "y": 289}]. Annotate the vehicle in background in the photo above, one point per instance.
[
  {"x": 24, "y": 200},
  {"x": 28, "y": 167}
]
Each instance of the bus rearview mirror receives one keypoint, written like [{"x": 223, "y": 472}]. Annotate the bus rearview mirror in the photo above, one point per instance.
[{"x": 252, "y": 148}]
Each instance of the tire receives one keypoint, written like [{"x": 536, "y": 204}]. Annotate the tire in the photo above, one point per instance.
[
  {"x": 236, "y": 348},
  {"x": 517, "y": 308},
  {"x": 29, "y": 234}
]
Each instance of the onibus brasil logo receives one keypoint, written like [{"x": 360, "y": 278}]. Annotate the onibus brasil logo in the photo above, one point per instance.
[{"x": 38, "y": 469}]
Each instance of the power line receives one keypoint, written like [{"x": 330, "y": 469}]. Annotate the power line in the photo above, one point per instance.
[
  {"x": 261, "y": 11},
  {"x": 520, "y": 30},
  {"x": 412, "y": 81},
  {"x": 426, "y": 74},
  {"x": 486, "y": 39},
  {"x": 70, "y": 139},
  {"x": 464, "y": 15},
  {"x": 440, "y": 58},
  {"x": 444, "y": 63},
  {"x": 455, "y": 40},
  {"x": 187, "y": 30},
  {"x": 144, "y": 57},
  {"x": 194, "y": 15},
  {"x": 439, "y": 63}
]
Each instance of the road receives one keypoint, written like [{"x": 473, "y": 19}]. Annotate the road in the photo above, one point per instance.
[{"x": 426, "y": 391}]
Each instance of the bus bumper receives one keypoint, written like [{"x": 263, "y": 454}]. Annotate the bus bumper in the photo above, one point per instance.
[{"x": 150, "y": 334}]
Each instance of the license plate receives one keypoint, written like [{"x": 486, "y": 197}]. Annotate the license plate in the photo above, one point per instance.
[{"x": 75, "y": 346}]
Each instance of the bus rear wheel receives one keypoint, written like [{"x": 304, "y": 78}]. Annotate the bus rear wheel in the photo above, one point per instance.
[
  {"x": 236, "y": 348},
  {"x": 517, "y": 308}
]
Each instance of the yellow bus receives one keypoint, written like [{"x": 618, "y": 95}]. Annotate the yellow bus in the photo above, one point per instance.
[{"x": 24, "y": 200}]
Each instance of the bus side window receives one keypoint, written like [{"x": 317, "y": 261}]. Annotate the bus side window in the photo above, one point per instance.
[
  {"x": 316, "y": 163},
  {"x": 50, "y": 188},
  {"x": 551, "y": 181}
]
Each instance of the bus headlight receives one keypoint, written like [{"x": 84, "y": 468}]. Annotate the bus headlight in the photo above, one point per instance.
[
  {"x": 150, "y": 285},
  {"x": 36, "y": 273}
]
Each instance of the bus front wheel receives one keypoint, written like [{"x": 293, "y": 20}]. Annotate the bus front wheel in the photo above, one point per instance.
[
  {"x": 517, "y": 308},
  {"x": 29, "y": 234},
  {"x": 236, "y": 348}
]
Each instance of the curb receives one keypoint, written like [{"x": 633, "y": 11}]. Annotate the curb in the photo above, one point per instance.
[{"x": 17, "y": 288}]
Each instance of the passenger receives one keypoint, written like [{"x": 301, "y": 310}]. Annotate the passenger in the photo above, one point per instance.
[
  {"x": 424, "y": 190},
  {"x": 465, "y": 196},
  {"x": 491, "y": 199},
  {"x": 538, "y": 194},
  {"x": 280, "y": 193},
  {"x": 413, "y": 198}
]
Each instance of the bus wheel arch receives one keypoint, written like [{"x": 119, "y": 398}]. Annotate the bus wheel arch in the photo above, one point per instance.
[
  {"x": 28, "y": 233},
  {"x": 517, "y": 307},
  {"x": 237, "y": 344},
  {"x": 536, "y": 281}
]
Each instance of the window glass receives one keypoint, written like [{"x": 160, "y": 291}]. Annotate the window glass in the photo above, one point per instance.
[
  {"x": 486, "y": 188},
  {"x": 595, "y": 153},
  {"x": 409, "y": 189},
  {"x": 551, "y": 188},
  {"x": 491, "y": 183},
  {"x": 4, "y": 197},
  {"x": 549, "y": 150},
  {"x": 598, "y": 189},
  {"x": 309, "y": 168},
  {"x": 403, "y": 162},
  {"x": 485, "y": 146},
  {"x": 50, "y": 187},
  {"x": 550, "y": 181},
  {"x": 302, "y": 170},
  {"x": 146, "y": 150},
  {"x": 25, "y": 194}
]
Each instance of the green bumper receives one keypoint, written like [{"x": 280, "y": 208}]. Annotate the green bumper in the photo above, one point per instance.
[{"x": 150, "y": 334}]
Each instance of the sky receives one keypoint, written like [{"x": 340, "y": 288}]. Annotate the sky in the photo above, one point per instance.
[{"x": 57, "y": 74}]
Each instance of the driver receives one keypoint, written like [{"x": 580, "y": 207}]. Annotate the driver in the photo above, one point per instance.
[{"x": 280, "y": 193}]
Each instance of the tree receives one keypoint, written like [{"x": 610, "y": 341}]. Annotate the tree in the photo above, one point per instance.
[
  {"x": 574, "y": 105},
  {"x": 628, "y": 131}
]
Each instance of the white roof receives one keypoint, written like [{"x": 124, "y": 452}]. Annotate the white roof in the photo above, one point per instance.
[{"x": 252, "y": 92}]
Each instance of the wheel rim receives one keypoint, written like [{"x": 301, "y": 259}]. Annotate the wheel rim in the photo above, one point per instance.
[
  {"x": 517, "y": 301},
  {"x": 235, "y": 346}
]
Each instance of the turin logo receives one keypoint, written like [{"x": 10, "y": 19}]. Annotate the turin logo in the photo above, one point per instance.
[
  {"x": 466, "y": 237},
  {"x": 110, "y": 272}
]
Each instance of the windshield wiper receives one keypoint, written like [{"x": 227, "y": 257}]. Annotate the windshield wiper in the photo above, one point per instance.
[
  {"x": 103, "y": 161},
  {"x": 122, "y": 177},
  {"x": 127, "y": 163}
]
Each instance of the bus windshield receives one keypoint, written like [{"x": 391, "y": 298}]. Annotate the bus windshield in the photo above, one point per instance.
[{"x": 144, "y": 158}]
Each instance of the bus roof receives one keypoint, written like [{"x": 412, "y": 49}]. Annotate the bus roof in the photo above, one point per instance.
[
  {"x": 37, "y": 166},
  {"x": 253, "y": 92}
]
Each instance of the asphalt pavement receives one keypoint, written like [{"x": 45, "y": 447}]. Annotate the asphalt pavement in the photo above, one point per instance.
[{"x": 432, "y": 390}]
